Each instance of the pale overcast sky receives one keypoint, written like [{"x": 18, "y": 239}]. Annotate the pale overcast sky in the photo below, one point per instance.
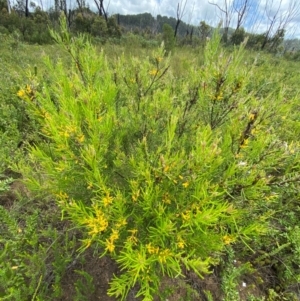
[{"x": 198, "y": 10}]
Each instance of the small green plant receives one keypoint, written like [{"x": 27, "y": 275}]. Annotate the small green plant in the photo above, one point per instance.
[
  {"x": 208, "y": 296},
  {"x": 84, "y": 286},
  {"x": 278, "y": 296},
  {"x": 5, "y": 184},
  {"x": 15, "y": 283},
  {"x": 34, "y": 256},
  {"x": 231, "y": 276}
]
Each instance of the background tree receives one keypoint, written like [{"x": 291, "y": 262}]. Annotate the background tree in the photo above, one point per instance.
[
  {"x": 99, "y": 27},
  {"x": 180, "y": 13},
  {"x": 101, "y": 10},
  {"x": 238, "y": 36},
  {"x": 8, "y": 7},
  {"x": 61, "y": 5},
  {"x": 81, "y": 6},
  {"x": 277, "y": 40},
  {"x": 113, "y": 28},
  {"x": 26, "y": 9},
  {"x": 204, "y": 31},
  {"x": 273, "y": 18},
  {"x": 21, "y": 7},
  {"x": 226, "y": 11},
  {"x": 279, "y": 19},
  {"x": 241, "y": 8},
  {"x": 277, "y": 16}
]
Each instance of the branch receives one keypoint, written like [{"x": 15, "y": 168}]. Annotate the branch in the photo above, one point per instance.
[{"x": 215, "y": 4}]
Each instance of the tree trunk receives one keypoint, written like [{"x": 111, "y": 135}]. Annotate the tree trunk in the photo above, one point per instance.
[
  {"x": 8, "y": 7},
  {"x": 176, "y": 27},
  {"x": 26, "y": 9}
]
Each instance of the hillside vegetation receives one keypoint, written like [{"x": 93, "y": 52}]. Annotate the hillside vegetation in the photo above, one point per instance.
[{"x": 147, "y": 172}]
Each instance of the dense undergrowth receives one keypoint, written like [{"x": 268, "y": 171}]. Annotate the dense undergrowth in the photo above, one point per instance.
[{"x": 167, "y": 164}]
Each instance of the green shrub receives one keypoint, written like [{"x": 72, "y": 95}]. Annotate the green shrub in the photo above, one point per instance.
[{"x": 160, "y": 173}]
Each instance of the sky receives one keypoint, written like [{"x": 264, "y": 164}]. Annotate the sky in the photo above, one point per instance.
[{"x": 258, "y": 19}]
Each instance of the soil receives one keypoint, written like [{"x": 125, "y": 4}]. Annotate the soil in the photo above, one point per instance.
[
  {"x": 101, "y": 269},
  {"x": 190, "y": 288},
  {"x": 8, "y": 198}
]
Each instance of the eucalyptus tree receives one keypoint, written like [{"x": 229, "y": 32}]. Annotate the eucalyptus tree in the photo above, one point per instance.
[
  {"x": 272, "y": 15},
  {"x": 8, "y": 7},
  {"x": 226, "y": 11},
  {"x": 280, "y": 16},
  {"x": 181, "y": 6},
  {"x": 101, "y": 10}
]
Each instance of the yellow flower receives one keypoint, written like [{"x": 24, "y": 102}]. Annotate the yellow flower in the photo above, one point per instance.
[
  {"x": 163, "y": 255},
  {"x": 109, "y": 246},
  {"x": 181, "y": 244},
  {"x": 166, "y": 168},
  {"x": 186, "y": 215},
  {"x": 115, "y": 235},
  {"x": 121, "y": 222},
  {"x": 65, "y": 134},
  {"x": 185, "y": 184},
  {"x": 218, "y": 96},
  {"x": 245, "y": 143},
  {"x": 96, "y": 224},
  {"x": 151, "y": 249},
  {"x": 132, "y": 238},
  {"x": 21, "y": 93},
  {"x": 80, "y": 138},
  {"x": 107, "y": 200},
  {"x": 153, "y": 72},
  {"x": 62, "y": 195},
  {"x": 227, "y": 239},
  {"x": 252, "y": 116}
]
